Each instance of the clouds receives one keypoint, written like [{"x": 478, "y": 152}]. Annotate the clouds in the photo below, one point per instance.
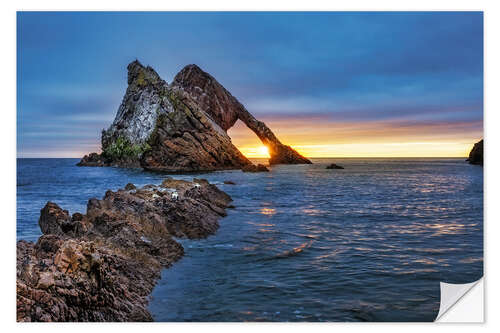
[{"x": 364, "y": 67}]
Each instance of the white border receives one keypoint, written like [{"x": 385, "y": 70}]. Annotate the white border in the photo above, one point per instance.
[{"x": 8, "y": 135}]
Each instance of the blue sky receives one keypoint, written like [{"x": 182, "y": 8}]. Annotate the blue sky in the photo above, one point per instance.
[{"x": 419, "y": 71}]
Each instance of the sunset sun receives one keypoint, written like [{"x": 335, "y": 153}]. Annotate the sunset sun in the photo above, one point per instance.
[
  {"x": 255, "y": 151},
  {"x": 263, "y": 151}
]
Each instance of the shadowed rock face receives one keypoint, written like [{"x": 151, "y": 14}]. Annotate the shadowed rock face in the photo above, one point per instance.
[
  {"x": 202, "y": 89},
  {"x": 476, "y": 155},
  {"x": 103, "y": 265},
  {"x": 180, "y": 127}
]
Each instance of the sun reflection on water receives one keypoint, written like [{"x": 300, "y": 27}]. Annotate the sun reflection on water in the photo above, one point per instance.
[{"x": 267, "y": 211}]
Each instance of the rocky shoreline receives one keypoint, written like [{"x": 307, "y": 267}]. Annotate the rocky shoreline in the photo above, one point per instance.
[{"x": 103, "y": 265}]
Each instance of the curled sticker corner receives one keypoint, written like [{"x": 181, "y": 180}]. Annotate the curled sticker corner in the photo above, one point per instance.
[{"x": 451, "y": 294}]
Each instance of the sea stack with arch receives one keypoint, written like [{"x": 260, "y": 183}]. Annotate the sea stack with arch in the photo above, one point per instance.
[{"x": 180, "y": 127}]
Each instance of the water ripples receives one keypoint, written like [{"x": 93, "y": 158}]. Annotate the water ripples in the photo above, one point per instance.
[{"x": 303, "y": 243}]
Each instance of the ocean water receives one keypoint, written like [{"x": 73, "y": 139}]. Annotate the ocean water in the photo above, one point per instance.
[{"x": 367, "y": 243}]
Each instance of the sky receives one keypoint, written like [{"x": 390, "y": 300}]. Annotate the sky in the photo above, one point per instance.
[{"x": 330, "y": 84}]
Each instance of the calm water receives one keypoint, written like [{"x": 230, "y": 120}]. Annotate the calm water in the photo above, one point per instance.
[{"x": 371, "y": 242}]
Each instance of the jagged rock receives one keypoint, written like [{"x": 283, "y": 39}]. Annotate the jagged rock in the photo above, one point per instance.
[
  {"x": 107, "y": 271},
  {"x": 476, "y": 155},
  {"x": 130, "y": 187},
  {"x": 201, "y": 89},
  {"x": 54, "y": 220},
  {"x": 334, "y": 166},
  {"x": 180, "y": 127},
  {"x": 255, "y": 168},
  {"x": 92, "y": 159}
]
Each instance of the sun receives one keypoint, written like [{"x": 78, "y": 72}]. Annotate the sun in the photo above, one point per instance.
[
  {"x": 263, "y": 151},
  {"x": 255, "y": 152}
]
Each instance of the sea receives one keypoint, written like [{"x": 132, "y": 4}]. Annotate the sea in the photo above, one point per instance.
[{"x": 371, "y": 242}]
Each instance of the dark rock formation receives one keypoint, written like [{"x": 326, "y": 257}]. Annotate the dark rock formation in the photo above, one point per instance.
[
  {"x": 103, "y": 265},
  {"x": 180, "y": 127},
  {"x": 130, "y": 187},
  {"x": 476, "y": 155},
  {"x": 201, "y": 89},
  {"x": 93, "y": 159},
  {"x": 334, "y": 166},
  {"x": 255, "y": 168}
]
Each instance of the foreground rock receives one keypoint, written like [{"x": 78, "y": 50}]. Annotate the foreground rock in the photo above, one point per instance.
[
  {"x": 181, "y": 127},
  {"x": 255, "y": 168},
  {"x": 103, "y": 265},
  {"x": 334, "y": 166},
  {"x": 476, "y": 155}
]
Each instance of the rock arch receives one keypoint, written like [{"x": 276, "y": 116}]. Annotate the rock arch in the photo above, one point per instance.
[
  {"x": 180, "y": 127},
  {"x": 225, "y": 110}
]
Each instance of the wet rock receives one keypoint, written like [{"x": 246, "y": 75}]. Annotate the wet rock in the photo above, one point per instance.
[
  {"x": 181, "y": 127},
  {"x": 130, "y": 187},
  {"x": 93, "y": 160},
  {"x": 53, "y": 219},
  {"x": 255, "y": 168},
  {"x": 476, "y": 155},
  {"x": 229, "y": 182},
  {"x": 106, "y": 271},
  {"x": 334, "y": 166}
]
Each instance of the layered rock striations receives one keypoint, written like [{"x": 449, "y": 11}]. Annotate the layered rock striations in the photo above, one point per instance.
[
  {"x": 180, "y": 127},
  {"x": 102, "y": 266},
  {"x": 476, "y": 155}
]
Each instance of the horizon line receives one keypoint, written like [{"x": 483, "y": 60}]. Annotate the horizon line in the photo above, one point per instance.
[{"x": 17, "y": 157}]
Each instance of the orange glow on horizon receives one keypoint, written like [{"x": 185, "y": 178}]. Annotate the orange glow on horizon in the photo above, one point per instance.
[
  {"x": 410, "y": 149},
  {"x": 317, "y": 139},
  {"x": 255, "y": 152}
]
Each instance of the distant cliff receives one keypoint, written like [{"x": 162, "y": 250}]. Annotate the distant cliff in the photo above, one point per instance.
[
  {"x": 180, "y": 127},
  {"x": 476, "y": 154}
]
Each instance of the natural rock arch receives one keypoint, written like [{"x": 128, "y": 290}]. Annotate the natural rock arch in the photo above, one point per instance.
[
  {"x": 182, "y": 126},
  {"x": 225, "y": 110}
]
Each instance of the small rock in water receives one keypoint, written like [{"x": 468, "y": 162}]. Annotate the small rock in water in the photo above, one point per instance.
[
  {"x": 476, "y": 155},
  {"x": 229, "y": 182},
  {"x": 334, "y": 166}
]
